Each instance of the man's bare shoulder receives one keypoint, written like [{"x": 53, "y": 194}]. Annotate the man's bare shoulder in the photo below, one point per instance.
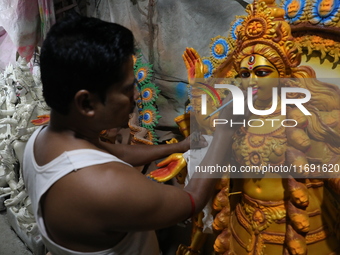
[
  {"x": 49, "y": 145},
  {"x": 97, "y": 179}
]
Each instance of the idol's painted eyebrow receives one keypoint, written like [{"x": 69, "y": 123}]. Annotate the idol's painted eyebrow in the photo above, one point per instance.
[{"x": 261, "y": 66}]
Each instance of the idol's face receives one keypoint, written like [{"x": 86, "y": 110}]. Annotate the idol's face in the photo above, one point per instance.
[
  {"x": 326, "y": 7},
  {"x": 20, "y": 90},
  {"x": 257, "y": 72},
  {"x": 293, "y": 8}
]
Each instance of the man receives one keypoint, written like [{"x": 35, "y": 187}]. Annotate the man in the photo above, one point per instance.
[{"x": 86, "y": 196}]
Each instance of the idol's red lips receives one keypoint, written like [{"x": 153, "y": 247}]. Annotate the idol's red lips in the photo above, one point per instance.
[{"x": 255, "y": 91}]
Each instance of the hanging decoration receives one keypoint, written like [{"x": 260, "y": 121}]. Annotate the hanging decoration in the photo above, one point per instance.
[{"x": 148, "y": 113}]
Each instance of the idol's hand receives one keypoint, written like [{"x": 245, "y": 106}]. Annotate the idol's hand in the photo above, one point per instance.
[
  {"x": 41, "y": 120},
  {"x": 170, "y": 167},
  {"x": 194, "y": 65}
]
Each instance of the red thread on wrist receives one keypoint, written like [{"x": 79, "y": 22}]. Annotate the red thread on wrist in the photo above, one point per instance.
[{"x": 193, "y": 206}]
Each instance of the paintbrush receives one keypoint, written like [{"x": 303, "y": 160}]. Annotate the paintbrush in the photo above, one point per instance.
[{"x": 219, "y": 109}]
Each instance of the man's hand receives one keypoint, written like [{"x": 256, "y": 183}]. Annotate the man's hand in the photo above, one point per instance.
[{"x": 193, "y": 141}]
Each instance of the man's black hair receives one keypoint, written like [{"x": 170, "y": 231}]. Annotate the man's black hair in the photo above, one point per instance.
[{"x": 82, "y": 53}]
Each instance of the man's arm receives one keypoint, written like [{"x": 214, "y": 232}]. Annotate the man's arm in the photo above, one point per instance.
[
  {"x": 115, "y": 198},
  {"x": 160, "y": 205},
  {"x": 138, "y": 155},
  {"x": 122, "y": 199}
]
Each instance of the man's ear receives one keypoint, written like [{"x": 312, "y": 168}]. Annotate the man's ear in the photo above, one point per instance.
[{"x": 85, "y": 102}]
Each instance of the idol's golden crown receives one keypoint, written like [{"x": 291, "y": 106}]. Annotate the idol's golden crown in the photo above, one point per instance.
[{"x": 263, "y": 26}]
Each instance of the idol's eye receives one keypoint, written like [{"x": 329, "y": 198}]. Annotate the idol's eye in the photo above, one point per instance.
[
  {"x": 245, "y": 74},
  {"x": 263, "y": 73}
]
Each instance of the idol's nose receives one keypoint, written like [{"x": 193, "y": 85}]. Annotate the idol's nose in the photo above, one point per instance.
[{"x": 253, "y": 80}]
